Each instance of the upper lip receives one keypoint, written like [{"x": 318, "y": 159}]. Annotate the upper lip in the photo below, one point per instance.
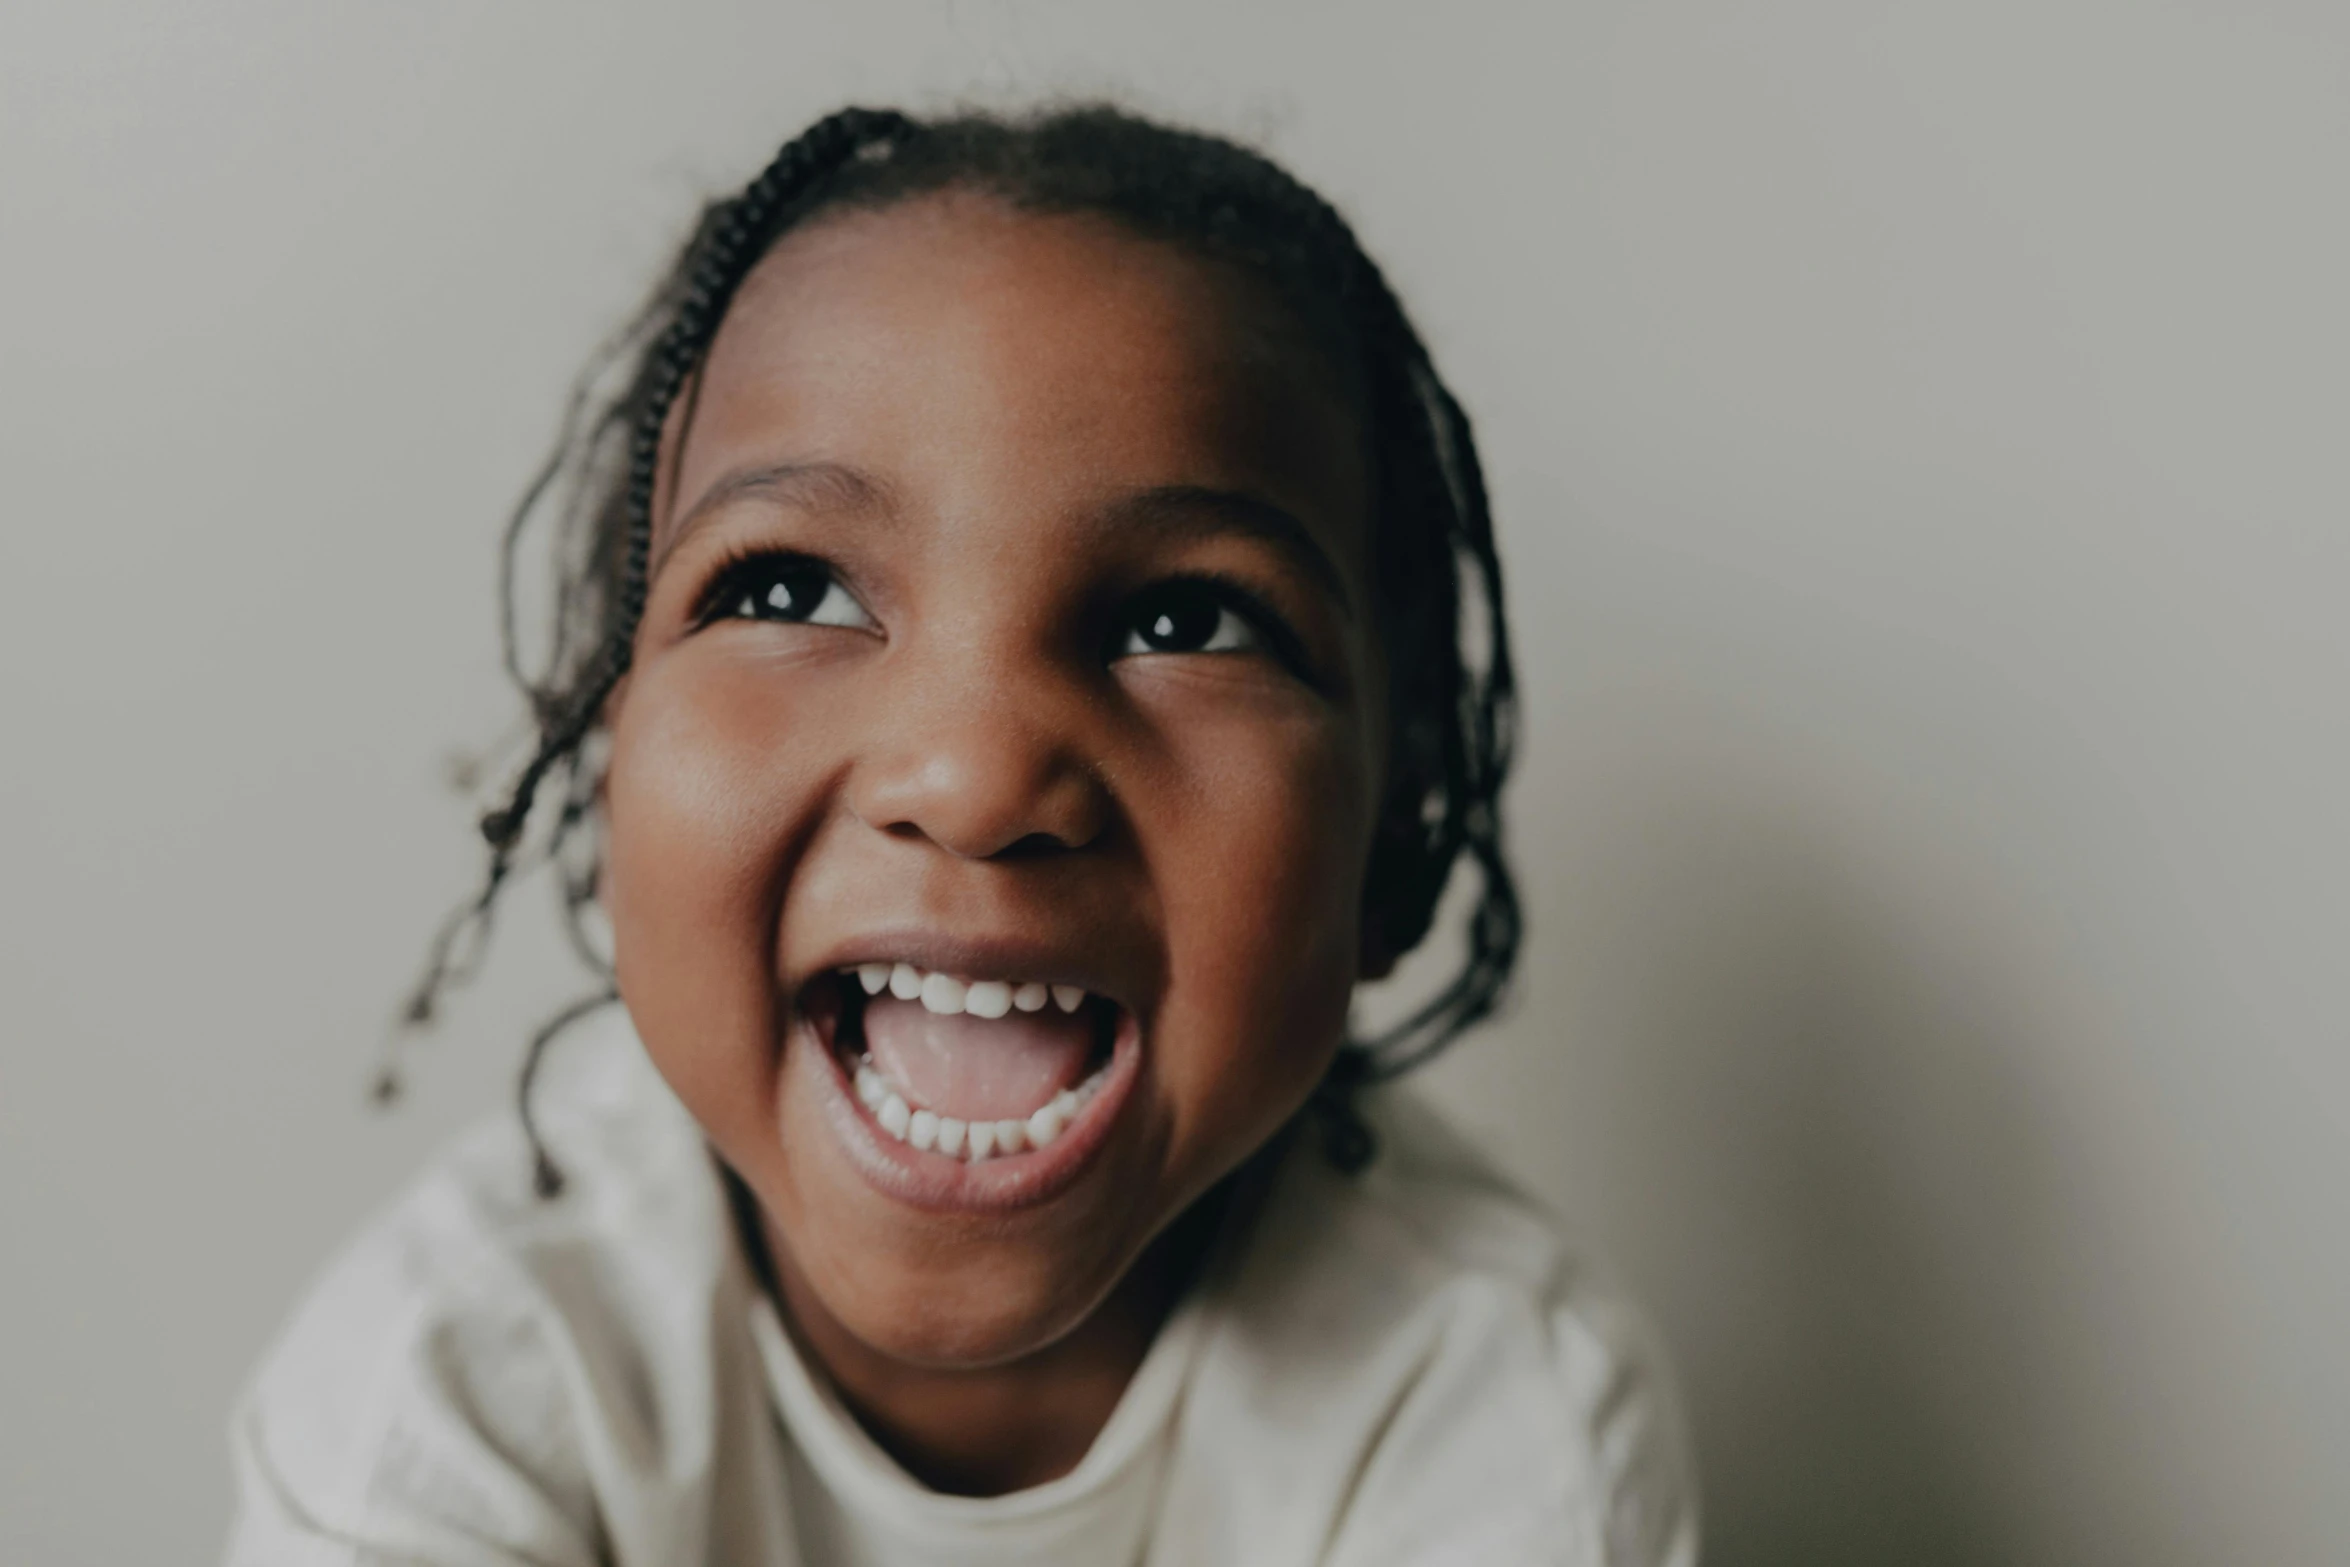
[{"x": 1013, "y": 958}]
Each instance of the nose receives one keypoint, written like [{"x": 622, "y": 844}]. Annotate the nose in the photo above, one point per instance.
[{"x": 983, "y": 764}]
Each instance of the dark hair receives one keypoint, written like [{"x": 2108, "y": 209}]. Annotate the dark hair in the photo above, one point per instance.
[{"x": 1452, "y": 705}]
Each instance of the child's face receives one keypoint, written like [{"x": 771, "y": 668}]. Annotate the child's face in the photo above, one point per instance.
[{"x": 1051, "y": 662}]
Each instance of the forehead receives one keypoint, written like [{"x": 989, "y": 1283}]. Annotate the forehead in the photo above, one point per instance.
[{"x": 959, "y": 348}]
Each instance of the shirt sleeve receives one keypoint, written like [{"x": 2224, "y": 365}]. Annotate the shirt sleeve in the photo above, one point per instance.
[
  {"x": 392, "y": 1424},
  {"x": 1533, "y": 1419},
  {"x": 1625, "y": 1420},
  {"x": 1531, "y": 1432}
]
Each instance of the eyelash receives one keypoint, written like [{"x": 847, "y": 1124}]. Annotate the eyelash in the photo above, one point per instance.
[
  {"x": 755, "y": 573},
  {"x": 1272, "y": 633}
]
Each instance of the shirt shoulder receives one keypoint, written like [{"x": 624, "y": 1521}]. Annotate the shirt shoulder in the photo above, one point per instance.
[
  {"x": 483, "y": 1375},
  {"x": 1456, "y": 1380}
]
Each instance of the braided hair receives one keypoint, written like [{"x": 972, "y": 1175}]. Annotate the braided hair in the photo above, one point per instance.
[{"x": 1452, "y": 706}]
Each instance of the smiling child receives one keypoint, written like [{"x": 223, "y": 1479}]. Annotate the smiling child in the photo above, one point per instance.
[{"x": 1010, "y": 687}]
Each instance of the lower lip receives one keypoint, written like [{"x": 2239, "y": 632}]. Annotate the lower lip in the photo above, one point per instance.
[{"x": 938, "y": 1183}]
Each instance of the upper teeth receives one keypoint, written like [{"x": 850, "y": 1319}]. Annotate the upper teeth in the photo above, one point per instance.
[{"x": 944, "y": 993}]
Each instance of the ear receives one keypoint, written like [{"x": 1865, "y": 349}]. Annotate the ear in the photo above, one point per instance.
[{"x": 1381, "y": 941}]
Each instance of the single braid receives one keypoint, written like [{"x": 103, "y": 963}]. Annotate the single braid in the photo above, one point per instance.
[{"x": 546, "y": 1176}]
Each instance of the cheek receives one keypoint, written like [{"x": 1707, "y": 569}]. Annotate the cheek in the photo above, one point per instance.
[
  {"x": 703, "y": 801},
  {"x": 1262, "y": 888}
]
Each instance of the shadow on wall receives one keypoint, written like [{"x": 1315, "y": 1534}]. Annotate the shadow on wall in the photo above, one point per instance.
[
  {"x": 1835, "y": 1066},
  {"x": 1791, "y": 1117}
]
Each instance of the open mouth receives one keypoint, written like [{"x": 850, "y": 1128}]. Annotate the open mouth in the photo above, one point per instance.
[{"x": 967, "y": 1069}]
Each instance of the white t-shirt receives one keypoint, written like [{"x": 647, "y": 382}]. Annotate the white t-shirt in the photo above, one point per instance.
[{"x": 1401, "y": 1366}]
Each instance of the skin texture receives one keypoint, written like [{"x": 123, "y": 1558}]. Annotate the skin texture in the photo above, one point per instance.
[{"x": 985, "y": 411}]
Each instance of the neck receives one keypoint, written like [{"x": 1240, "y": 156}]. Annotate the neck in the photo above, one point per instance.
[{"x": 994, "y": 1429}]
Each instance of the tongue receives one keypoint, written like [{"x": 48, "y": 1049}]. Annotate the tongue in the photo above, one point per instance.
[{"x": 977, "y": 1069}]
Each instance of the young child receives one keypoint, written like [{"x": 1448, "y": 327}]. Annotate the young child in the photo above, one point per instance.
[{"x": 1009, "y": 688}]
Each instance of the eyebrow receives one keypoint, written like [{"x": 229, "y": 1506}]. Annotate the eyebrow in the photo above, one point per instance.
[
  {"x": 818, "y": 485},
  {"x": 1192, "y": 510}
]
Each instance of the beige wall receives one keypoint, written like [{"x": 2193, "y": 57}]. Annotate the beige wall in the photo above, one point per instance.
[{"x": 1919, "y": 434}]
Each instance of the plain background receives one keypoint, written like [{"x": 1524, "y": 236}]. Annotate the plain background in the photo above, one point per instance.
[{"x": 1921, "y": 437}]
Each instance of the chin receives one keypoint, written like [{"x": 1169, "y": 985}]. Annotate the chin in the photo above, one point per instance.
[
  {"x": 944, "y": 1286},
  {"x": 960, "y": 1302},
  {"x": 965, "y": 1325}
]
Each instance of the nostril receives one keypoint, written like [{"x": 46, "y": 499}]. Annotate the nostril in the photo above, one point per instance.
[
  {"x": 1041, "y": 844},
  {"x": 1035, "y": 845}
]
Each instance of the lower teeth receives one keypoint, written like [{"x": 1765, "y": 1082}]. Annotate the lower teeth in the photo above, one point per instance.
[{"x": 972, "y": 1141}]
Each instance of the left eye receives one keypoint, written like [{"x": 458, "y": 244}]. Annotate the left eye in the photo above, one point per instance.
[
  {"x": 1187, "y": 618},
  {"x": 799, "y": 592}
]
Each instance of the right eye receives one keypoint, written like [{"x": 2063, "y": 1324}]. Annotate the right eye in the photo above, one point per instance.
[{"x": 788, "y": 588}]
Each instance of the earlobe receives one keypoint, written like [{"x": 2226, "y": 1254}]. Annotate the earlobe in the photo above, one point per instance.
[{"x": 1396, "y": 909}]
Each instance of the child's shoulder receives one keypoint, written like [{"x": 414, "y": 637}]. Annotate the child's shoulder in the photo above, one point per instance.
[
  {"x": 472, "y": 1234},
  {"x": 1440, "y": 1354},
  {"x": 1430, "y": 1217},
  {"x": 437, "y": 1372}
]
